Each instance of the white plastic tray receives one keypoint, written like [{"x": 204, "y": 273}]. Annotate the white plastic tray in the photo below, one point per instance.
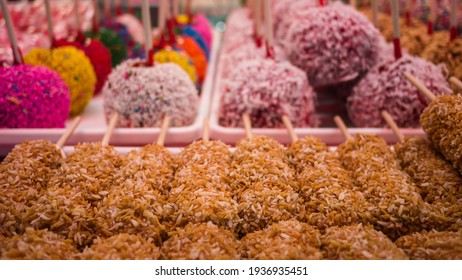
[
  {"x": 330, "y": 135},
  {"x": 93, "y": 125}
]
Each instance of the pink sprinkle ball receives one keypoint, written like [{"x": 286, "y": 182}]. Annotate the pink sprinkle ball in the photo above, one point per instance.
[
  {"x": 267, "y": 90},
  {"x": 333, "y": 44},
  {"x": 143, "y": 96},
  {"x": 32, "y": 97},
  {"x": 386, "y": 88}
]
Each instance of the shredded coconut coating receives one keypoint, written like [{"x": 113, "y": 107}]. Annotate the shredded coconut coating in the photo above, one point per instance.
[
  {"x": 396, "y": 204},
  {"x": 440, "y": 50},
  {"x": 386, "y": 88},
  {"x": 203, "y": 241},
  {"x": 68, "y": 207},
  {"x": 432, "y": 245},
  {"x": 358, "y": 242},
  {"x": 142, "y": 96},
  {"x": 32, "y": 97},
  {"x": 325, "y": 187},
  {"x": 441, "y": 122},
  {"x": 284, "y": 13},
  {"x": 267, "y": 89},
  {"x": 121, "y": 247},
  {"x": 333, "y": 44},
  {"x": 200, "y": 191},
  {"x": 247, "y": 50},
  {"x": 75, "y": 69},
  {"x": 288, "y": 240},
  {"x": 439, "y": 184},
  {"x": 415, "y": 38},
  {"x": 37, "y": 245},
  {"x": 24, "y": 177}
]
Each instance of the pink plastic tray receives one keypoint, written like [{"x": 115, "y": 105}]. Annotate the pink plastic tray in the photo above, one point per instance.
[
  {"x": 330, "y": 134},
  {"x": 93, "y": 125}
]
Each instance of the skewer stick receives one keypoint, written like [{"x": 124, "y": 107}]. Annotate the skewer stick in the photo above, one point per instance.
[
  {"x": 247, "y": 125},
  {"x": 77, "y": 15},
  {"x": 431, "y": 17},
  {"x": 456, "y": 82},
  {"x": 396, "y": 31},
  {"x": 96, "y": 16},
  {"x": 269, "y": 30},
  {"x": 63, "y": 139},
  {"x": 107, "y": 10},
  {"x": 11, "y": 34},
  {"x": 146, "y": 15},
  {"x": 51, "y": 32},
  {"x": 341, "y": 125},
  {"x": 205, "y": 131},
  {"x": 163, "y": 131},
  {"x": 290, "y": 128},
  {"x": 176, "y": 8},
  {"x": 422, "y": 88},
  {"x": 453, "y": 23},
  {"x": 375, "y": 9},
  {"x": 110, "y": 129},
  {"x": 392, "y": 124},
  {"x": 118, "y": 7}
]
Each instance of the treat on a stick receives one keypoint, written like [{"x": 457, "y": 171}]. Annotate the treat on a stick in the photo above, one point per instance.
[
  {"x": 397, "y": 207},
  {"x": 438, "y": 183},
  {"x": 386, "y": 88},
  {"x": 79, "y": 187},
  {"x": 30, "y": 97},
  {"x": 25, "y": 175}
]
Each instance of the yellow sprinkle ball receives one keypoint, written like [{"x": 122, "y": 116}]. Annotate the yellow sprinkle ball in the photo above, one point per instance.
[
  {"x": 74, "y": 67},
  {"x": 179, "y": 58}
]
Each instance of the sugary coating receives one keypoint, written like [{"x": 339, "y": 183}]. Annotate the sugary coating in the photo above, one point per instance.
[
  {"x": 439, "y": 184},
  {"x": 386, "y": 88},
  {"x": 248, "y": 50},
  {"x": 32, "y": 97},
  {"x": 432, "y": 245},
  {"x": 202, "y": 26},
  {"x": 24, "y": 177},
  {"x": 75, "y": 69},
  {"x": 113, "y": 42},
  {"x": 121, "y": 247},
  {"x": 357, "y": 242},
  {"x": 287, "y": 240},
  {"x": 201, "y": 242},
  {"x": 179, "y": 58},
  {"x": 333, "y": 44},
  {"x": 396, "y": 205},
  {"x": 325, "y": 187},
  {"x": 37, "y": 245},
  {"x": 441, "y": 122},
  {"x": 68, "y": 207},
  {"x": 415, "y": 37},
  {"x": 200, "y": 191},
  {"x": 142, "y": 96},
  {"x": 99, "y": 56},
  {"x": 267, "y": 90},
  {"x": 196, "y": 54}
]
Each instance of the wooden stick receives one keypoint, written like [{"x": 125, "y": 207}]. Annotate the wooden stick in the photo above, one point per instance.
[
  {"x": 290, "y": 128},
  {"x": 96, "y": 16},
  {"x": 163, "y": 131},
  {"x": 205, "y": 131},
  {"x": 396, "y": 31},
  {"x": 51, "y": 32},
  {"x": 456, "y": 82},
  {"x": 422, "y": 88},
  {"x": 392, "y": 124},
  {"x": 375, "y": 9},
  {"x": 269, "y": 24},
  {"x": 247, "y": 125},
  {"x": 63, "y": 139},
  {"x": 11, "y": 33},
  {"x": 341, "y": 125},
  {"x": 110, "y": 129},
  {"x": 176, "y": 8},
  {"x": 77, "y": 16},
  {"x": 146, "y": 15},
  {"x": 431, "y": 17},
  {"x": 107, "y": 10}
]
